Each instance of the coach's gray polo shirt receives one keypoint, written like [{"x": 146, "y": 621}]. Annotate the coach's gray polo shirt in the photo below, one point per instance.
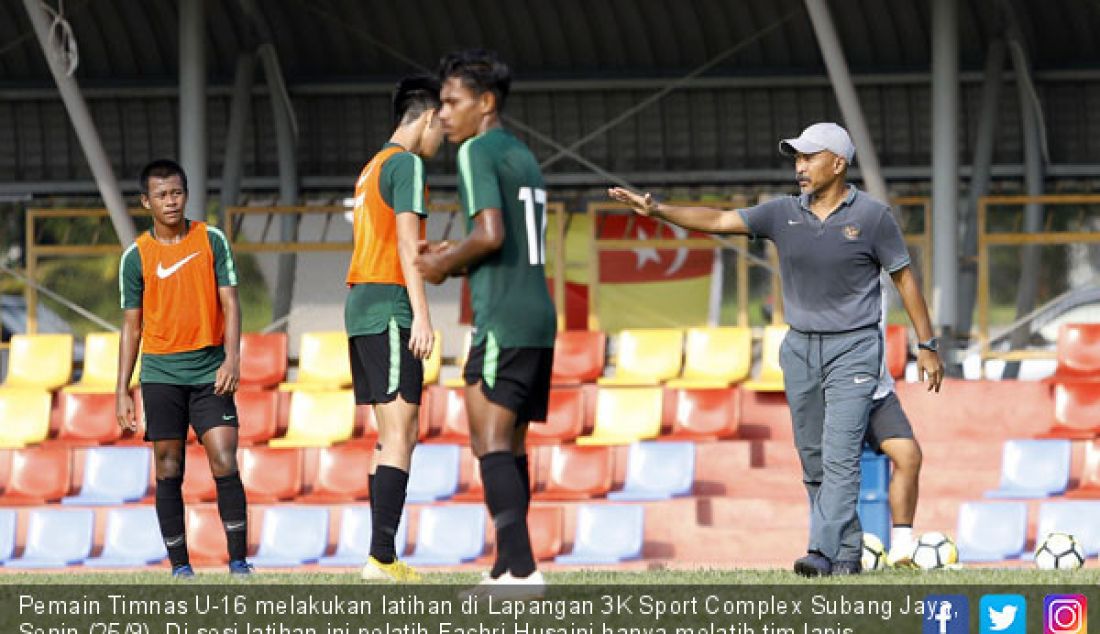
[{"x": 830, "y": 270}]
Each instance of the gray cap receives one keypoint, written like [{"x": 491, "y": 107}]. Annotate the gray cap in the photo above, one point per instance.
[{"x": 818, "y": 137}]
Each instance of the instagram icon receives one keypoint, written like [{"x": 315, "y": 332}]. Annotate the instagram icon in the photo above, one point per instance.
[{"x": 1065, "y": 614}]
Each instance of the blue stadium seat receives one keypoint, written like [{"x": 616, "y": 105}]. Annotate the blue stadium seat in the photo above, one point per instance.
[
  {"x": 433, "y": 473},
  {"x": 132, "y": 539},
  {"x": 1078, "y": 518},
  {"x": 353, "y": 548},
  {"x": 56, "y": 538},
  {"x": 657, "y": 471},
  {"x": 874, "y": 517},
  {"x": 1033, "y": 469},
  {"x": 991, "y": 531},
  {"x": 7, "y": 534},
  {"x": 449, "y": 535},
  {"x": 113, "y": 475},
  {"x": 875, "y": 476},
  {"x": 291, "y": 536},
  {"x": 606, "y": 534}
]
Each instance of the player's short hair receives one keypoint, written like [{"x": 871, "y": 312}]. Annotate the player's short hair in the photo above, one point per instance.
[
  {"x": 414, "y": 95},
  {"x": 480, "y": 70},
  {"x": 160, "y": 168}
]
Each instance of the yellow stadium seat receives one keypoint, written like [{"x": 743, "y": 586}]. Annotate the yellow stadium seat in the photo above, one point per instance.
[
  {"x": 318, "y": 419},
  {"x": 101, "y": 365},
  {"x": 24, "y": 416},
  {"x": 625, "y": 415},
  {"x": 39, "y": 361},
  {"x": 323, "y": 362},
  {"x": 434, "y": 361},
  {"x": 647, "y": 356},
  {"x": 715, "y": 358},
  {"x": 458, "y": 381},
  {"x": 771, "y": 375}
]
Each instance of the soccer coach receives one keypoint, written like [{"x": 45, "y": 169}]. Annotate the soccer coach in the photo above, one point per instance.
[{"x": 833, "y": 240}]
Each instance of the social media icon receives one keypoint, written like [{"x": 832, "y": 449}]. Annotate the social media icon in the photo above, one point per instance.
[
  {"x": 946, "y": 614},
  {"x": 1003, "y": 613},
  {"x": 1065, "y": 614}
]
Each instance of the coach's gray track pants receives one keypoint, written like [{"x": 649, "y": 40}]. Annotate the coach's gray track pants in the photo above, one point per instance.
[{"x": 829, "y": 380}]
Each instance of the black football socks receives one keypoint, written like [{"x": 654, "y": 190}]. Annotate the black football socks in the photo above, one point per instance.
[
  {"x": 169, "y": 505},
  {"x": 387, "y": 502},
  {"x": 234, "y": 514},
  {"x": 507, "y": 502}
]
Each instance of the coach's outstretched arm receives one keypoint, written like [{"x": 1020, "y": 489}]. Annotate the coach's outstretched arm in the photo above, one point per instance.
[{"x": 706, "y": 219}]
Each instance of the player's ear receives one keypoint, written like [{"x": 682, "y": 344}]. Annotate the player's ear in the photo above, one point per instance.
[
  {"x": 145, "y": 201},
  {"x": 487, "y": 102}
]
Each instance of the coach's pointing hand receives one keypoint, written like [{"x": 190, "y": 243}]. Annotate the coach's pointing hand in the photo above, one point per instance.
[{"x": 644, "y": 204}]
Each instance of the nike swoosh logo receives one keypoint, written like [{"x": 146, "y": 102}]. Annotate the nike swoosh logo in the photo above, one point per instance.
[
  {"x": 165, "y": 273},
  {"x": 862, "y": 379},
  {"x": 172, "y": 542},
  {"x": 224, "y": 417},
  {"x": 794, "y": 222},
  {"x": 234, "y": 526}
]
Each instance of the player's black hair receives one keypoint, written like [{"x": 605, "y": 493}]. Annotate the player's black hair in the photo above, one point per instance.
[
  {"x": 160, "y": 168},
  {"x": 413, "y": 95},
  {"x": 480, "y": 70}
]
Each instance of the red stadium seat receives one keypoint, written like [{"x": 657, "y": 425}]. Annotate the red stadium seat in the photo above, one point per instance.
[
  {"x": 578, "y": 473},
  {"x": 1078, "y": 353},
  {"x": 448, "y": 415},
  {"x": 544, "y": 523},
  {"x": 257, "y": 414},
  {"x": 88, "y": 418},
  {"x": 705, "y": 414},
  {"x": 1088, "y": 485},
  {"x": 38, "y": 475},
  {"x": 1076, "y": 411},
  {"x": 205, "y": 535},
  {"x": 564, "y": 418},
  {"x": 342, "y": 475},
  {"x": 579, "y": 356},
  {"x": 270, "y": 474},
  {"x": 263, "y": 360},
  {"x": 198, "y": 481},
  {"x": 897, "y": 350}
]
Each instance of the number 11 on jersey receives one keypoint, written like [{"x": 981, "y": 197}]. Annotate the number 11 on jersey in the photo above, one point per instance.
[{"x": 536, "y": 231}]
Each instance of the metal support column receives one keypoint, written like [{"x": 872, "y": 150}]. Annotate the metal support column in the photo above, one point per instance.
[
  {"x": 945, "y": 164},
  {"x": 192, "y": 155},
  {"x": 84, "y": 127},
  {"x": 847, "y": 98},
  {"x": 240, "y": 112}
]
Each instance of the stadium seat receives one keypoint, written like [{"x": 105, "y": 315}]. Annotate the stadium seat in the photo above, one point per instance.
[
  {"x": 1079, "y": 518},
  {"x": 38, "y": 475},
  {"x": 448, "y": 415},
  {"x": 433, "y": 473},
  {"x": 132, "y": 539},
  {"x": 8, "y": 521},
  {"x": 270, "y": 474},
  {"x": 578, "y": 473},
  {"x": 625, "y": 415},
  {"x": 579, "y": 356},
  {"x": 460, "y": 362},
  {"x": 715, "y": 358},
  {"x": 1076, "y": 411},
  {"x": 342, "y": 475},
  {"x": 24, "y": 416},
  {"x": 56, "y": 538},
  {"x": 449, "y": 535},
  {"x": 113, "y": 475},
  {"x": 434, "y": 363},
  {"x": 88, "y": 418},
  {"x": 292, "y": 536},
  {"x": 1033, "y": 469},
  {"x": 198, "y": 480},
  {"x": 564, "y": 417},
  {"x": 1088, "y": 484},
  {"x": 257, "y": 415},
  {"x": 1078, "y": 353},
  {"x": 897, "y": 350},
  {"x": 42, "y": 362},
  {"x": 874, "y": 518},
  {"x": 705, "y": 414},
  {"x": 771, "y": 375},
  {"x": 318, "y": 419},
  {"x": 206, "y": 535},
  {"x": 606, "y": 534},
  {"x": 647, "y": 356},
  {"x": 544, "y": 525},
  {"x": 657, "y": 471},
  {"x": 263, "y": 360},
  {"x": 353, "y": 546},
  {"x": 874, "y": 476},
  {"x": 991, "y": 531},
  {"x": 323, "y": 362},
  {"x": 100, "y": 369}
]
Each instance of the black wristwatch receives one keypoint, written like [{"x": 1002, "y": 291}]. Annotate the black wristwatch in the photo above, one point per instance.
[{"x": 932, "y": 345}]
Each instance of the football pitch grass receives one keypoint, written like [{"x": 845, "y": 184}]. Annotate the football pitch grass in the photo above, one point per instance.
[{"x": 964, "y": 576}]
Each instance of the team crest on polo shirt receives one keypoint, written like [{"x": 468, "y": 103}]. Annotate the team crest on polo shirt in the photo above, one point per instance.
[{"x": 851, "y": 232}]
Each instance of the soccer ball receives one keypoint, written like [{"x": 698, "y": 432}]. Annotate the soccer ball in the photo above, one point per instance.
[
  {"x": 874, "y": 553},
  {"x": 1059, "y": 551},
  {"x": 935, "y": 550}
]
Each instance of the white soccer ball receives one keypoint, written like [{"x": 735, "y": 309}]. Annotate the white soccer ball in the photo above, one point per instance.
[
  {"x": 874, "y": 553},
  {"x": 935, "y": 550},
  {"x": 1059, "y": 551}
]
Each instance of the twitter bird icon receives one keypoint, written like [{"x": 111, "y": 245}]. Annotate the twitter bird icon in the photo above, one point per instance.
[{"x": 1003, "y": 613}]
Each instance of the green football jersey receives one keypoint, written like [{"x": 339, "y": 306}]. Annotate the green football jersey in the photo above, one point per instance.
[{"x": 508, "y": 290}]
